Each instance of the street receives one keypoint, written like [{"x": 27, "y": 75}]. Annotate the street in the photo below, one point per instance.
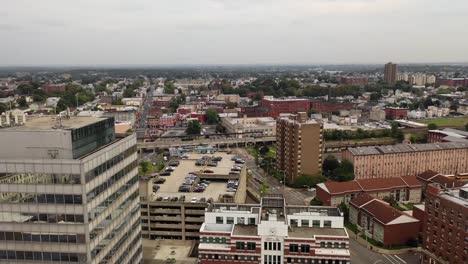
[
  {"x": 291, "y": 195},
  {"x": 360, "y": 254},
  {"x": 145, "y": 108}
]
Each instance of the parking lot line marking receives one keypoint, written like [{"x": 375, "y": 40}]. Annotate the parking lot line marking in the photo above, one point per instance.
[
  {"x": 389, "y": 259},
  {"x": 400, "y": 259}
]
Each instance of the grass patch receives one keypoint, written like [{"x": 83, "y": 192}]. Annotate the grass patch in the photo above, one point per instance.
[
  {"x": 452, "y": 122},
  {"x": 351, "y": 227}
]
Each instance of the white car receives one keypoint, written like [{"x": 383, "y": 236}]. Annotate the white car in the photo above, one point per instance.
[{"x": 194, "y": 200}]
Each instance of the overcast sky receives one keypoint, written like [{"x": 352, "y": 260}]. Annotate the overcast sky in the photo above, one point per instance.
[{"x": 121, "y": 32}]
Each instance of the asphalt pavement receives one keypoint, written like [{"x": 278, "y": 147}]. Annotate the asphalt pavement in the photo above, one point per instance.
[
  {"x": 291, "y": 195},
  {"x": 360, "y": 254}
]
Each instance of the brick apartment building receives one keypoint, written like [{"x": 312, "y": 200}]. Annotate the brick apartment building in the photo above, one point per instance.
[
  {"x": 272, "y": 232},
  {"x": 299, "y": 143},
  {"x": 402, "y": 189},
  {"x": 53, "y": 88},
  {"x": 445, "y": 234},
  {"x": 329, "y": 107},
  {"x": 399, "y": 160},
  {"x": 453, "y": 82},
  {"x": 381, "y": 222},
  {"x": 277, "y": 106},
  {"x": 353, "y": 80},
  {"x": 396, "y": 113}
]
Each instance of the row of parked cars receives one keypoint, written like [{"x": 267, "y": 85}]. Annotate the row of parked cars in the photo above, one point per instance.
[
  {"x": 170, "y": 168},
  {"x": 208, "y": 161},
  {"x": 186, "y": 186},
  {"x": 232, "y": 185}
]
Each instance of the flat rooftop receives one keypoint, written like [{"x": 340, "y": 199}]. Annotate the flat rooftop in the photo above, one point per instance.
[
  {"x": 313, "y": 210},
  {"x": 47, "y": 123},
  {"x": 245, "y": 230},
  {"x": 401, "y": 148},
  {"x": 216, "y": 187},
  {"x": 310, "y": 232}
]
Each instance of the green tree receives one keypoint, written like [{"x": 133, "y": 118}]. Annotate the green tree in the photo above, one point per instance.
[
  {"x": 146, "y": 167},
  {"x": 432, "y": 126},
  {"x": 212, "y": 117},
  {"x": 264, "y": 189},
  {"x": 61, "y": 106},
  {"x": 308, "y": 180},
  {"x": 231, "y": 105},
  {"x": 38, "y": 98},
  {"x": 25, "y": 88},
  {"x": 330, "y": 163},
  {"x": 466, "y": 126},
  {"x": 344, "y": 172},
  {"x": 169, "y": 87},
  {"x": 3, "y": 107},
  {"x": 22, "y": 102},
  {"x": 193, "y": 127}
]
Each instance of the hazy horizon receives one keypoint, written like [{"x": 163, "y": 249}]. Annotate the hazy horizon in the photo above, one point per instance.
[{"x": 124, "y": 33}]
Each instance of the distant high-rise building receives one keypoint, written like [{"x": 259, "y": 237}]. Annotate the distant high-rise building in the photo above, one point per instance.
[
  {"x": 299, "y": 146},
  {"x": 391, "y": 71},
  {"x": 68, "y": 192}
]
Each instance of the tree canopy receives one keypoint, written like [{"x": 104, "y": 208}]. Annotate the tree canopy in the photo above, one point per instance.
[
  {"x": 212, "y": 117},
  {"x": 193, "y": 127}
]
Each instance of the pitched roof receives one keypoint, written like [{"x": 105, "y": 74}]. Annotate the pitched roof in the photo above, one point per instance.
[
  {"x": 342, "y": 187},
  {"x": 385, "y": 214},
  {"x": 367, "y": 185},
  {"x": 379, "y": 184},
  {"x": 427, "y": 175},
  {"x": 411, "y": 181},
  {"x": 361, "y": 200}
]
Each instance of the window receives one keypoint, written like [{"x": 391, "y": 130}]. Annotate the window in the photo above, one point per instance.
[
  {"x": 316, "y": 223},
  {"x": 327, "y": 223},
  {"x": 265, "y": 245},
  {"x": 223, "y": 240},
  {"x": 304, "y": 222},
  {"x": 294, "y": 222},
  {"x": 240, "y": 245},
  {"x": 305, "y": 248},
  {"x": 251, "y": 221},
  {"x": 230, "y": 220},
  {"x": 322, "y": 244},
  {"x": 219, "y": 220},
  {"x": 293, "y": 248},
  {"x": 241, "y": 220},
  {"x": 250, "y": 245}
]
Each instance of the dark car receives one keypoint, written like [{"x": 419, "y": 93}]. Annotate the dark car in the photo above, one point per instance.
[
  {"x": 217, "y": 158},
  {"x": 174, "y": 163},
  {"x": 165, "y": 173},
  {"x": 208, "y": 171},
  {"x": 160, "y": 180}
]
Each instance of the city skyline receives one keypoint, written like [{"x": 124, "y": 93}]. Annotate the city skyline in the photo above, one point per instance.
[{"x": 229, "y": 32}]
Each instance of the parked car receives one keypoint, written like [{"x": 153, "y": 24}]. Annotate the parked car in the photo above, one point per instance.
[
  {"x": 208, "y": 171},
  {"x": 217, "y": 159},
  {"x": 170, "y": 168},
  {"x": 160, "y": 180},
  {"x": 165, "y": 173},
  {"x": 174, "y": 163},
  {"x": 159, "y": 198},
  {"x": 212, "y": 164},
  {"x": 194, "y": 200}
]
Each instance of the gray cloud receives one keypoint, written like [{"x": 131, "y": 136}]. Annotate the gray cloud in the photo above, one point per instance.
[{"x": 232, "y": 31}]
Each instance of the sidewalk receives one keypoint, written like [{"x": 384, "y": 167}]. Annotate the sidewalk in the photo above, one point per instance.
[{"x": 374, "y": 248}]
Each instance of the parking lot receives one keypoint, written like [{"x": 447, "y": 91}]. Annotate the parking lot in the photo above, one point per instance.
[{"x": 214, "y": 189}]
